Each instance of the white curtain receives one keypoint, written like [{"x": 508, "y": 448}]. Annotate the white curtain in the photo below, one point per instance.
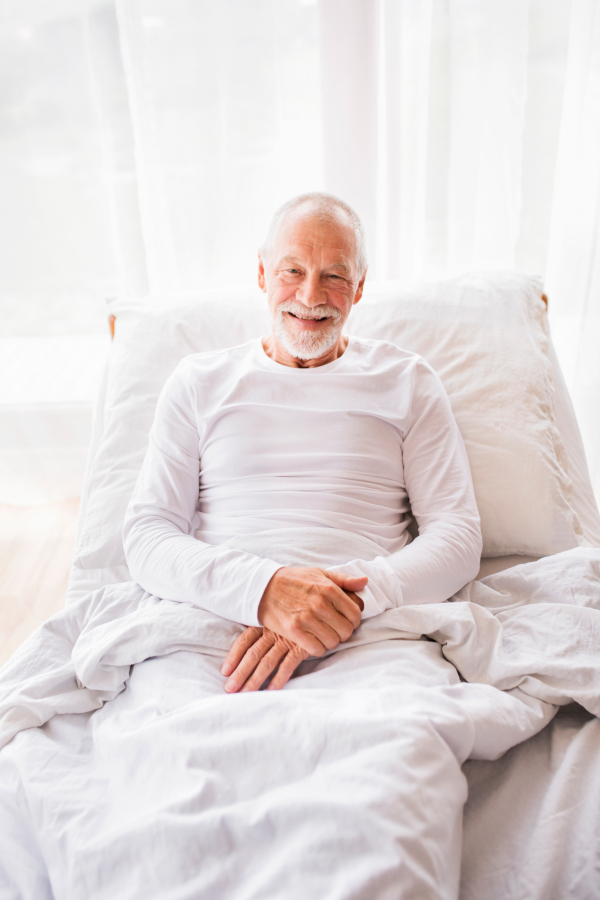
[
  {"x": 465, "y": 132},
  {"x": 450, "y": 153},
  {"x": 57, "y": 242},
  {"x": 573, "y": 261},
  {"x": 225, "y": 106}
]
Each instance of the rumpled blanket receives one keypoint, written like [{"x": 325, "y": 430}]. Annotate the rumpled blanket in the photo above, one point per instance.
[{"x": 345, "y": 784}]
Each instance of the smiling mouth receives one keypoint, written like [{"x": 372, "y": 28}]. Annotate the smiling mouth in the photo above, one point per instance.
[{"x": 308, "y": 318}]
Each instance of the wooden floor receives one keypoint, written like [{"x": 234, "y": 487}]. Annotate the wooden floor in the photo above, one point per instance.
[{"x": 36, "y": 544}]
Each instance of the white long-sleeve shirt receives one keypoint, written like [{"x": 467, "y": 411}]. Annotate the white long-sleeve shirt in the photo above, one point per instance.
[{"x": 241, "y": 444}]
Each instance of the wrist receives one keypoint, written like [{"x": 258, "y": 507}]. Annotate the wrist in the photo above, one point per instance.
[
  {"x": 271, "y": 585},
  {"x": 255, "y": 590}
]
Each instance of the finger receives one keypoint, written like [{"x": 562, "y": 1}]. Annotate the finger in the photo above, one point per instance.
[
  {"x": 248, "y": 663},
  {"x": 335, "y": 609},
  {"x": 266, "y": 667},
  {"x": 286, "y": 669},
  {"x": 247, "y": 666},
  {"x": 297, "y": 628},
  {"x": 239, "y": 647},
  {"x": 356, "y": 599},
  {"x": 348, "y": 606},
  {"x": 347, "y": 582},
  {"x": 340, "y": 624},
  {"x": 313, "y": 626},
  {"x": 299, "y": 634}
]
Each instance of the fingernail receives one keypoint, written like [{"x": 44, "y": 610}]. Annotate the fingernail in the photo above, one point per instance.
[
  {"x": 226, "y": 669},
  {"x": 229, "y": 686}
]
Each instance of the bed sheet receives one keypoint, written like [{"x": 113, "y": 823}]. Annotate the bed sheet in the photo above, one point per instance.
[
  {"x": 357, "y": 761},
  {"x": 532, "y": 820},
  {"x": 530, "y": 828}
]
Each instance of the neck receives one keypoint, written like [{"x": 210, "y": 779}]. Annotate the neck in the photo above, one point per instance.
[{"x": 275, "y": 351}]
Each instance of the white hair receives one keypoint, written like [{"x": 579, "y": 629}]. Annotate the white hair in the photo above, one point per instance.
[{"x": 324, "y": 207}]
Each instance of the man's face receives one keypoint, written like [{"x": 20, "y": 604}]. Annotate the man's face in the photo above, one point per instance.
[{"x": 311, "y": 281}]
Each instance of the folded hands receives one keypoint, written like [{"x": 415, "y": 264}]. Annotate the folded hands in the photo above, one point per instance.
[{"x": 304, "y": 611}]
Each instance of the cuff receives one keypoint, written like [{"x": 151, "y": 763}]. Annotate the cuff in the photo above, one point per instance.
[{"x": 383, "y": 590}]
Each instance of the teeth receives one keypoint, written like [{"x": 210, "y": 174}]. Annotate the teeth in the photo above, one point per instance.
[{"x": 308, "y": 318}]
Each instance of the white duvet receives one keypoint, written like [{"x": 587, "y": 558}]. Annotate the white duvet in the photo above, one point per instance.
[{"x": 346, "y": 784}]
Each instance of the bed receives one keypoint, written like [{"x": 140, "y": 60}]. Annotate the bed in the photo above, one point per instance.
[{"x": 530, "y": 827}]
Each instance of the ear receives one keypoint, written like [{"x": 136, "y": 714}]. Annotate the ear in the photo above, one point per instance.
[
  {"x": 261, "y": 275},
  {"x": 359, "y": 289}
]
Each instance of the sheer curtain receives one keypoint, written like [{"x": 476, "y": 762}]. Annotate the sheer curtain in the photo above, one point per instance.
[
  {"x": 466, "y": 133},
  {"x": 456, "y": 131},
  {"x": 225, "y": 107},
  {"x": 56, "y": 247},
  {"x": 573, "y": 261}
]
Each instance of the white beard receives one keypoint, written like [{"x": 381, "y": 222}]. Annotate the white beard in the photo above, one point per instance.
[{"x": 307, "y": 344}]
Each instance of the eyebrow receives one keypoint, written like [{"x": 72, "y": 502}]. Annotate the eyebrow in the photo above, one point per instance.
[{"x": 294, "y": 259}]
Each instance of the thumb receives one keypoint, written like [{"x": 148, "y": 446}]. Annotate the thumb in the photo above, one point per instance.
[{"x": 348, "y": 582}]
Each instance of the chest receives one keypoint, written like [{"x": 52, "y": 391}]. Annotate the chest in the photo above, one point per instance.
[{"x": 247, "y": 440}]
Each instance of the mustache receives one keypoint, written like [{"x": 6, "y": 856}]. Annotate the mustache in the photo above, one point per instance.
[{"x": 324, "y": 311}]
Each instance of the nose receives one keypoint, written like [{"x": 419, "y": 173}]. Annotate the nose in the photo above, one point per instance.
[{"x": 310, "y": 291}]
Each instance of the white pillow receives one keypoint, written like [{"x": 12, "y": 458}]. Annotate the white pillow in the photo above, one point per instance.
[{"x": 486, "y": 336}]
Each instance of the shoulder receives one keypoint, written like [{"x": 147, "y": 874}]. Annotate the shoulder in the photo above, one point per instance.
[
  {"x": 404, "y": 372},
  {"x": 212, "y": 366},
  {"x": 202, "y": 375},
  {"x": 379, "y": 355},
  {"x": 210, "y": 361}
]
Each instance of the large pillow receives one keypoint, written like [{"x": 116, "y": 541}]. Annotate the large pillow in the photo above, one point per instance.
[{"x": 486, "y": 336}]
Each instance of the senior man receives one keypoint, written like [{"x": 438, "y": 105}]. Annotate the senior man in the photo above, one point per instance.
[{"x": 322, "y": 440}]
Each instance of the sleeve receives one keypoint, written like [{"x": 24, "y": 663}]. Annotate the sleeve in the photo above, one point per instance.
[
  {"x": 446, "y": 554},
  {"x": 162, "y": 554}
]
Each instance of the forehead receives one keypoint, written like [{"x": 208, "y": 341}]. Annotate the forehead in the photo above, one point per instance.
[{"x": 306, "y": 232}]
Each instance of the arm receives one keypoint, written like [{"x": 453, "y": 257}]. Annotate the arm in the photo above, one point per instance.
[
  {"x": 446, "y": 554},
  {"x": 162, "y": 554}
]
